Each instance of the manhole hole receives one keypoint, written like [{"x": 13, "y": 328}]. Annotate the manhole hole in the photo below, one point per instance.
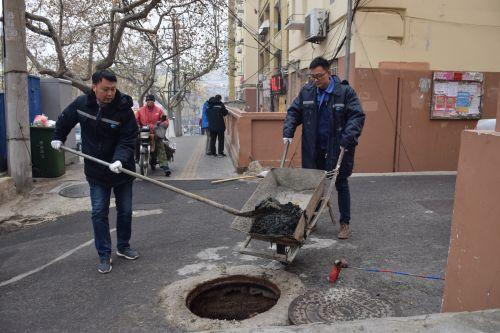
[
  {"x": 76, "y": 191},
  {"x": 233, "y": 298},
  {"x": 335, "y": 305},
  {"x": 260, "y": 295}
]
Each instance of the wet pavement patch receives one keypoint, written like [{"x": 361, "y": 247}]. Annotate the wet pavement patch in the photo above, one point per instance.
[
  {"x": 233, "y": 298},
  {"x": 334, "y": 305},
  {"x": 280, "y": 221}
]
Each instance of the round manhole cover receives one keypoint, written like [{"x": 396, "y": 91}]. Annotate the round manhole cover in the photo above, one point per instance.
[
  {"x": 76, "y": 191},
  {"x": 233, "y": 298},
  {"x": 335, "y": 305}
]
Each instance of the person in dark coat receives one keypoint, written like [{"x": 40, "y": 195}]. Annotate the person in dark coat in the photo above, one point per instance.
[
  {"x": 331, "y": 117},
  {"x": 216, "y": 112},
  {"x": 109, "y": 131}
]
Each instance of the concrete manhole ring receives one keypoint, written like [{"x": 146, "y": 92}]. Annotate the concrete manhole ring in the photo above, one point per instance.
[
  {"x": 279, "y": 286},
  {"x": 337, "y": 304}
]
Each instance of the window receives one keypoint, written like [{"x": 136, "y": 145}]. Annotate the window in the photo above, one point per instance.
[{"x": 277, "y": 16}]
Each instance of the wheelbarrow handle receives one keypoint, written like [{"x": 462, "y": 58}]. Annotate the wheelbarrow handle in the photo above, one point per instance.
[
  {"x": 225, "y": 208},
  {"x": 285, "y": 152}
]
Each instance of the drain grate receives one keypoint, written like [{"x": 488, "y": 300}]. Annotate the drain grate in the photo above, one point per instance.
[
  {"x": 233, "y": 298},
  {"x": 76, "y": 191},
  {"x": 335, "y": 305}
]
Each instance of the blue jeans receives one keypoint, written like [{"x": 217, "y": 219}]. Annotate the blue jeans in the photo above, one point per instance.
[
  {"x": 342, "y": 186},
  {"x": 99, "y": 197}
]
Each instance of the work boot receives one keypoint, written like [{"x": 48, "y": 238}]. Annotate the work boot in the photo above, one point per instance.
[
  {"x": 344, "y": 232},
  {"x": 128, "y": 253},
  {"x": 104, "y": 266}
]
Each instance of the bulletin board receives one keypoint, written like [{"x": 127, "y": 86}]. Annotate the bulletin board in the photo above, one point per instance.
[{"x": 457, "y": 95}]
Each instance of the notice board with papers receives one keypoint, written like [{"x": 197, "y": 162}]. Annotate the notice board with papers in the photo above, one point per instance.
[{"x": 457, "y": 95}]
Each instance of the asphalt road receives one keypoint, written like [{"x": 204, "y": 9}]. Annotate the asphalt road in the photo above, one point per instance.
[{"x": 399, "y": 223}]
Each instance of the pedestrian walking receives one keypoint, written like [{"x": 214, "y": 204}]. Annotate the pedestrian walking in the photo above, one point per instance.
[
  {"x": 331, "y": 118},
  {"x": 216, "y": 112},
  {"x": 204, "y": 126},
  {"x": 109, "y": 132}
]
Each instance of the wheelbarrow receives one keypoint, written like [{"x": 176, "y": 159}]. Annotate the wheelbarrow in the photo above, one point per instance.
[{"x": 309, "y": 188}]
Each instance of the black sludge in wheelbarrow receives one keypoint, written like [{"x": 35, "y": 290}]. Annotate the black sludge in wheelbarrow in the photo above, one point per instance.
[{"x": 278, "y": 219}]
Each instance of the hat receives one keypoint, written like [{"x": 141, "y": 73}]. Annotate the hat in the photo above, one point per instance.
[{"x": 150, "y": 98}]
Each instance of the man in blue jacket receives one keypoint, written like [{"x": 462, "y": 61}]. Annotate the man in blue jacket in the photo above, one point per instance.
[
  {"x": 109, "y": 131},
  {"x": 331, "y": 117},
  {"x": 204, "y": 126}
]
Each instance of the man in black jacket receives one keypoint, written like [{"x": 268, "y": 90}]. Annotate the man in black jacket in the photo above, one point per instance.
[
  {"x": 216, "y": 112},
  {"x": 109, "y": 132},
  {"x": 331, "y": 117}
]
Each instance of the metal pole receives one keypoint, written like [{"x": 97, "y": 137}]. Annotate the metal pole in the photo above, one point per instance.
[
  {"x": 348, "y": 40},
  {"x": 16, "y": 95},
  {"x": 212, "y": 203}
]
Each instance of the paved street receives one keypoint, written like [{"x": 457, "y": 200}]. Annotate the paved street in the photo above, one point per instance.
[
  {"x": 399, "y": 223},
  {"x": 190, "y": 161}
]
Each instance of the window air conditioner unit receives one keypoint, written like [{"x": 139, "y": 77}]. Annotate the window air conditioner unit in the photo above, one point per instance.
[{"x": 316, "y": 25}]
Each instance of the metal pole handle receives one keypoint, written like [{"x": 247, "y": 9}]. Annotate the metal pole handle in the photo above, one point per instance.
[
  {"x": 228, "y": 209},
  {"x": 285, "y": 152}
]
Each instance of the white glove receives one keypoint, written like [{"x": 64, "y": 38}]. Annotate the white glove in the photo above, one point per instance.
[
  {"x": 115, "y": 166},
  {"x": 56, "y": 144},
  {"x": 287, "y": 140}
]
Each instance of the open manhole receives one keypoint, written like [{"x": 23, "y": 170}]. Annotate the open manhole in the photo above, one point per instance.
[{"x": 233, "y": 298}]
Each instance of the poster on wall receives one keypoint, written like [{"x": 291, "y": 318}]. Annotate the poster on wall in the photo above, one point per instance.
[{"x": 457, "y": 95}]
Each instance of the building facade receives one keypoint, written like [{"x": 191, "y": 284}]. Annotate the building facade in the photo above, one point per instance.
[{"x": 424, "y": 71}]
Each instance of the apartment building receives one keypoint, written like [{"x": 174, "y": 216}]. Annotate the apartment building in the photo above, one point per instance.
[{"x": 423, "y": 70}]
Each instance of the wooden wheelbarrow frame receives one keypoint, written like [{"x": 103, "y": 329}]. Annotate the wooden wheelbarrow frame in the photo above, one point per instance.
[{"x": 322, "y": 184}]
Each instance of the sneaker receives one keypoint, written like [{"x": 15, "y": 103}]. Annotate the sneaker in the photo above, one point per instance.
[
  {"x": 128, "y": 253},
  {"x": 104, "y": 266},
  {"x": 344, "y": 232},
  {"x": 222, "y": 154}
]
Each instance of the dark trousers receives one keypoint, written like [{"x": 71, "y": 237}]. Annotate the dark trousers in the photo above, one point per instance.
[
  {"x": 343, "y": 194},
  {"x": 219, "y": 136},
  {"x": 99, "y": 197}
]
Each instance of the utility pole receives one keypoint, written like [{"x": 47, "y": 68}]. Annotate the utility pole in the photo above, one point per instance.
[
  {"x": 348, "y": 40},
  {"x": 16, "y": 95},
  {"x": 176, "y": 78},
  {"x": 231, "y": 36}
]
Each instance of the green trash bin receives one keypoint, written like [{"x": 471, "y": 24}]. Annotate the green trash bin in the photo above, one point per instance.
[{"x": 46, "y": 162}]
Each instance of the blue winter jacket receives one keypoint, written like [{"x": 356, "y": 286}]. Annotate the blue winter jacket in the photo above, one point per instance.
[
  {"x": 346, "y": 125},
  {"x": 204, "y": 118}
]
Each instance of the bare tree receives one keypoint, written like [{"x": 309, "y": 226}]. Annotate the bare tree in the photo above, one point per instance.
[{"x": 71, "y": 39}]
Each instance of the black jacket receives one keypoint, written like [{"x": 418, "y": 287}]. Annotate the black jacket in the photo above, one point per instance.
[
  {"x": 216, "y": 112},
  {"x": 346, "y": 125},
  {"x": 108, "y": 133}
]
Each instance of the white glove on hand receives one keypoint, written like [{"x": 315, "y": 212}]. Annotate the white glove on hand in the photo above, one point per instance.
[
  {"x": 56, "y": 144},
  {"x": 287, "y": 140},
  {"x": 115, "y": 166}
]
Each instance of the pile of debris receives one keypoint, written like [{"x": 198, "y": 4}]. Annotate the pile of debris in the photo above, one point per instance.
[{"x": 278, "y": 220}]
